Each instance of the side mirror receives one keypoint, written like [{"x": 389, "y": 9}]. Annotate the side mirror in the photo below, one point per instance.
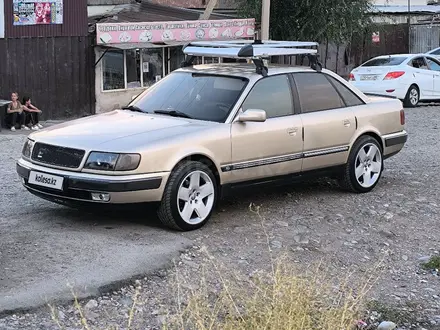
[{"x": 252, "y": 115}]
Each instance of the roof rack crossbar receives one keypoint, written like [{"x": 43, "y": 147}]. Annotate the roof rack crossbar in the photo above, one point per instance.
[{"x": 255, "y": 50}]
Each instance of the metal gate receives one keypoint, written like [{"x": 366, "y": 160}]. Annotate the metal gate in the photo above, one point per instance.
[{"x": 424, "y": 38}]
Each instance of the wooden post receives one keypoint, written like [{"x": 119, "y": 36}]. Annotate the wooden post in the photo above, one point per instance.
[
  {"x": 208, "y": 10},
  {"x": 265, "y": 20}
]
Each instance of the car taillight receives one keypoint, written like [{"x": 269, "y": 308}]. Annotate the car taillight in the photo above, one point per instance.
[
  {"x": 394, "y": 75},
  {"x": 402, "y": 117},
  {"x": 351, "y": 77}
]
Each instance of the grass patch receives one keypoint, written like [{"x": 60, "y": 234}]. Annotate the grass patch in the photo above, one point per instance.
[
  {"x": 393, "y": 314},
  {"x": 274, "y": 301},
  {"x": 433, "y": 263}
]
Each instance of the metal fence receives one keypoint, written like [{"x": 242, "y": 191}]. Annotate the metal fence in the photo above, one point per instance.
[
  {"x": 56, "y": 72},
  {"x": 424, "y": 38}
]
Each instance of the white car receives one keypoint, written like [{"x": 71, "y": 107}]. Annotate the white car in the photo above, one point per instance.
[
  {"x": 434, "y": 53},
  {"x": 410, "y": 78}
]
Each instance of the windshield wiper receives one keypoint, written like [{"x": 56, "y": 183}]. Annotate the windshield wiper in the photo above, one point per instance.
[
  {"x": 174, "y": 113},
  {"x": 133, "y": 108}
]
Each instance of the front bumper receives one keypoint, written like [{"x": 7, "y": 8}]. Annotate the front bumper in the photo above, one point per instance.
[{"x": 81, "y": 187}]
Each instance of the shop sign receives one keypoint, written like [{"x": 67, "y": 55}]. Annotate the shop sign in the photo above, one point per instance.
[
  {"x": 376, "y": 37},
  {"x": 27, "y": 12},
  {"x": 178, "y": 31}
]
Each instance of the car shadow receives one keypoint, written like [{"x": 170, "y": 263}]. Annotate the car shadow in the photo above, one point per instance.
[{"x": 109, "y": 216}]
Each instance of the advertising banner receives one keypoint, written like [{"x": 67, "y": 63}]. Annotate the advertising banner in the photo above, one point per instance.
[
  {"x": 2, "y": 19},
  {"x": 179, "y": 31},
  {"x": 27, "y": 12}
]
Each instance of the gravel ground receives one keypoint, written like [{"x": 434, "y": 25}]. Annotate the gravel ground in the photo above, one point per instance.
[{"x": 312, "y": 222}]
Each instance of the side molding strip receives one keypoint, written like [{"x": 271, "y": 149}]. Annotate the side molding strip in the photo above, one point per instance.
[{"x": 283, "y": 159}]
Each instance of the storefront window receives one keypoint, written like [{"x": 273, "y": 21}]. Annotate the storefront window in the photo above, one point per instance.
[
  {"x": 113, "y": 70},
  {"x": 176, "y": 58},
  {"x": 140, "y": 68},
  {"x": 211, "y": 60},
  {"x": 152, "y": 65},
  {"x": 133, "y": 63}
]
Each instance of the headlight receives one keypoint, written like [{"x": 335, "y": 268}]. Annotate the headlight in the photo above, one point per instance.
[
  {"x": 105, "y": 161},
  {"x": 27, "y": 148}
]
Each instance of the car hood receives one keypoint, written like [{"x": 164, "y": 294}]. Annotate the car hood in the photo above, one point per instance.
[{"x": 94, "y": 131}]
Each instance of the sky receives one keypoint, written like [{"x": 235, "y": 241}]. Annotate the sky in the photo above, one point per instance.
[{"x": 400, "y": 2}]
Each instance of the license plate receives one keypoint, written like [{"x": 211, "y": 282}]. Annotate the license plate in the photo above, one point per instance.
[
  {"x": 46, "y": 180},
  {"x": 369, "y": 77}
]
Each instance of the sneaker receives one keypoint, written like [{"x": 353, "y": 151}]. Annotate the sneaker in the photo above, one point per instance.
[
  {"x": 40, "y": 126},
  {"x": 13, "y": 129},
  {"x": 25, "y": 128},
  {"x": 35, "y": 128}
]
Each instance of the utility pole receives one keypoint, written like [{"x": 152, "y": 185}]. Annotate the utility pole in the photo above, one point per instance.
[
  {"x": 265, "y": 20},
  {"x": 208, "y": 10}
]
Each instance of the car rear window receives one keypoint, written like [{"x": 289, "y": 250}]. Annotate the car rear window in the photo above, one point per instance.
[{"x": 385, "y": 61}]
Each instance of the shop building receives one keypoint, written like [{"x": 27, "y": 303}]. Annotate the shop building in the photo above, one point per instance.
[{"x": 141, "y": 44}]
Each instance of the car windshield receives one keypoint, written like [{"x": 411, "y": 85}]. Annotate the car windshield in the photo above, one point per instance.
[
  {"x": 191, "y": 95},
  {"x": 385, "y": 61}
]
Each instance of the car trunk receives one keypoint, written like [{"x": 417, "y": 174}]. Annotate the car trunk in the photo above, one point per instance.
[{"x": 372, "y": 74}]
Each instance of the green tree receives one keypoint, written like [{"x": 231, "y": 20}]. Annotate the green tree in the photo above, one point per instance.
[{"x": 314, "y": 20}]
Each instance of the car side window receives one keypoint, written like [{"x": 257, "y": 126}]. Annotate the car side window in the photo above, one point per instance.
[
  {"x": 436, "y": 52},
  {"x": 419, "y": 63},
  {"x": 433, "y": 64},
  {"x": 316, "y": 93},
  {"x": 350, "y": 98},
  {"x": 271, "y": 94}
]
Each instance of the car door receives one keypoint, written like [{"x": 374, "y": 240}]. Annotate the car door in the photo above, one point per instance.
[
  {"x": 328, "y": 123},
  {"x": 423, "y": 77},
  {"x": 271, "y": 148},
  {"x": 434, "y": 66}
]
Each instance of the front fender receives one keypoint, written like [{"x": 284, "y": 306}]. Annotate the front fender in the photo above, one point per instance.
[{"x": 193, "y": 153}]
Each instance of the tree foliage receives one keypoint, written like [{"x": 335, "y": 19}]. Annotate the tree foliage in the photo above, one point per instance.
[{"x": 314, "y": 20}]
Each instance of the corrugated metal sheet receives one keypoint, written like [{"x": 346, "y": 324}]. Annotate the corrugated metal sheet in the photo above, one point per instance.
[
  {"x": 393, "y": 40},
  {"x": 344, "y": 57},
  {"x": 74, "y": 22},
  {"x": 57, "y": 73},
  {"x": 424, "y": 38}
]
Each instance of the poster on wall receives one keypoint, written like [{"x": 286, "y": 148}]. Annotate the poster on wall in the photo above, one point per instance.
[
  {"x": 2, "y": 20},
  {"x": 168, "y": 32},
  {"x": 34, "y": 12}
]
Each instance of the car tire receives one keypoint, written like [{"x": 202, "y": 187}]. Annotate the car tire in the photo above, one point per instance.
[
  {"x": 364, "y": 166},
  {"x": 189, "y": 198},
  {"x": 412, "y": 97}
]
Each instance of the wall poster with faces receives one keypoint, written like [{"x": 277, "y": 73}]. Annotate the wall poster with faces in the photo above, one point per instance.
[{"x": 27, "y": 12}]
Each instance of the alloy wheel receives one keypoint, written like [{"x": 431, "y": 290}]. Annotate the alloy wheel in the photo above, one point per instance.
[
  {"x": 368, "y": 165},
  {"x": 414, "y": 96},
  {"x": 195, "y": 197}
]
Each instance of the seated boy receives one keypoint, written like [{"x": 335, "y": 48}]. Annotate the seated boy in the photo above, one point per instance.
[
  {"x": 14, "y": 114},
  {"x": 32, "y": 114}
]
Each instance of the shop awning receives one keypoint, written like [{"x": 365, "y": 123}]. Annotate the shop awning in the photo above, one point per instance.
[
  {"x": 136, "y": 45},
  {"x": 172, "y": 33}
]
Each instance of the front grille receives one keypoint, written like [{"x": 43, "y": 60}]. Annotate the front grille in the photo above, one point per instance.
[{"x": 57, "y": 156}]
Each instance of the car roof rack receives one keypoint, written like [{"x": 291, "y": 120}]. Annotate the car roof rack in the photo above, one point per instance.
[{"x": 256, "y": 50}]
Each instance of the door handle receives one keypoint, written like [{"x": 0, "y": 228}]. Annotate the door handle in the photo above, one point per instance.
[
  {"x": 347, "y": 123},
  {"x": 292, "y": 131}
]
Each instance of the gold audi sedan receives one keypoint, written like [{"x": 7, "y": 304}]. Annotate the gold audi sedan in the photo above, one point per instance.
[{"x": 204, "y": 130}]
